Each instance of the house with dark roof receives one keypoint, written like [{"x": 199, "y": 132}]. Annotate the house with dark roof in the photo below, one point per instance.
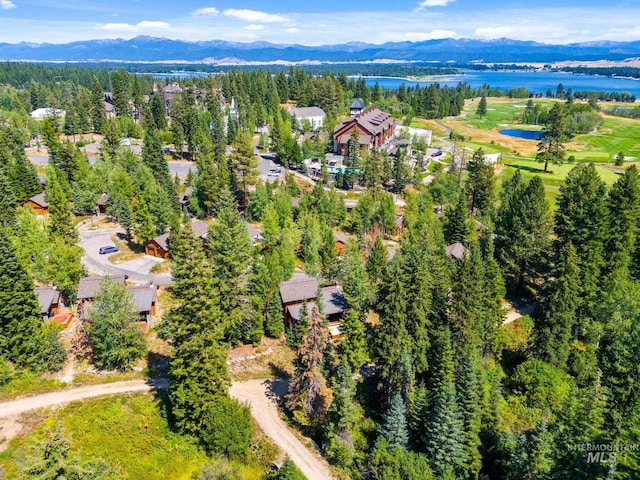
[
  {"x": 314, "y": 115},
  {"x": 295, "y": 292},
  {"x": 375, "y": 129},
  {"x": 49, "y": 301},
  {"x": 340, "y": 240},
  {"x": 158, "y": 246},
  {"x": 87, "y": 289},
  {"x": 145, "y": 298},
  {"x": 184, "y": 197},
  {"x": 356, "y": 107},
  {"x": 38, "y": 203}
]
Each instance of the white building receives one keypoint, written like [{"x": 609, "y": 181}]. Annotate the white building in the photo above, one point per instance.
[
  {"x": 491, "y": 158},
  {"x": 40, "y": 113},
  {"x": 314, "y": 115}
]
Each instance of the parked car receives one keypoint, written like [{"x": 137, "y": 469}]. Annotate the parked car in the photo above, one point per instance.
[
  {"x": 275, "y": 172},
  {"x": 108, "y": 249},
  {"x": 437, "y": 154}
]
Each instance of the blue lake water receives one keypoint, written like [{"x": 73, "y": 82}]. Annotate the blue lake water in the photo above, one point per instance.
[
  {"x": 526, "y": 134},
  {"x": 536, "y": 82}
]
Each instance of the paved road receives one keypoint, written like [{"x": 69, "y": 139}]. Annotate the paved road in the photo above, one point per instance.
[
  {"x": 261, "y": 395},
  {"x": 176, "y": 167},
  {"x": 137, "y": 270}
]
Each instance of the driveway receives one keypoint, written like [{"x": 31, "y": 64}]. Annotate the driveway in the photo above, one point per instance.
[
  {"x": 138, "y": 270},
  {"x": 261, "y": 395}
]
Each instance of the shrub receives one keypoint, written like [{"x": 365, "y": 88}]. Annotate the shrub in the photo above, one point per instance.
[{"x": 228, "y": 429}]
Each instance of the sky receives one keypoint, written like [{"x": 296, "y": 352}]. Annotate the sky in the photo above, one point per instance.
[{"x": 320, "y": 22}]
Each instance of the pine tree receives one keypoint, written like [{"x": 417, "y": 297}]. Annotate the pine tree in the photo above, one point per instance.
[
  {"x": 116, "y": 340},
  {"x": 153, "y": 158},
  {"x": 580, "y": 220},
  {"x": 143, "y": 222},
  {"x": 456, "y": 227},
  {"x": 8, "y": 201},
  {"x": 244, "y": 166},
  {"x": 392, "y": 339},
  {"x": 58, "y": 193},
  {"x": 230, "y": 254},
  {"x": 357, "y": 289},
  {"x": 354, "y": 340},
  {"x": 523, "y": 228},
  {"x": 551, "y": 147},
  {"x": 51, "y": 459},
  {"x": 481, "y": 111},
  {"x": 443, "y": 434},
  {"x": 468, "y": 392},
  {"x": 308, "y": 396},
  {"x": 394, "y": 428},
  {"x": 622, "y": 220},
  {"x": 558, "y": 307},
  {"x": 22, "y": 339},
  {"x": 343, "y": 413},
  {"x": 98, "y": 113},
  {"x": 534, "y": 454},
  {"x": 198, "y": 375},
  {"x": 480, "y": 186},
  {"x": 377, "y": 262}
]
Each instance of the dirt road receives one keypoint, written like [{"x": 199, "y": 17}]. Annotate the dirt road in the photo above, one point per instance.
[
  {"x": 261, "y": 396},
  {"x": 60, "y": 397}
]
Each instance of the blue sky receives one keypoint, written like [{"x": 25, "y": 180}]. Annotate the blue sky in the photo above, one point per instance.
[{"x": 320, "y": 22}]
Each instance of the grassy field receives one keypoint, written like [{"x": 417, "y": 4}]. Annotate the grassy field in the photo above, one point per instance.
[
  {"x": 551, "y": 180},
  {"x": 131, "y": 433}
]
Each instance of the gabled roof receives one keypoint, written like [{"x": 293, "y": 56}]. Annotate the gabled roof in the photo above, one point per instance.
[
  {"x": 47, "y": 297},
  {"x": 372, "y": 120},
  {"x": 333, "y": 301},
  {"x": 39, "y": 200},
  {"x": 199, "y": 228},
  {"x": 144, "y": 297},
  {"x": 456, "y": 251},
  {"x": 307, "y": 112},
  {"x": 162, "y": 241},
  {"x": 299, "y": 289},
  {"x": 88, "y": 286},
  {"x": 340, "y": 237}
]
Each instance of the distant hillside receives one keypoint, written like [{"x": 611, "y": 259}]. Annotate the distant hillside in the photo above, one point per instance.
[{"x": 150, "y": 49}]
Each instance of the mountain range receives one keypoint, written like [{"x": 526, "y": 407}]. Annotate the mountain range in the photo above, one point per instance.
[{"x": 153, "y": 49}]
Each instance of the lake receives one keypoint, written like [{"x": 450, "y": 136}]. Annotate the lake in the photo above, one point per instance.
[
  {"x": 536, "y": 82},
  {"x": 526, "y": 134}
]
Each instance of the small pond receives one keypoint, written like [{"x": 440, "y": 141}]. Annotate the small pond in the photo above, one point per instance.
[{"x": 526, "y": 134}]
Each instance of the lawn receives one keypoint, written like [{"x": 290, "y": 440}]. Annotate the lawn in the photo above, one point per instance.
[
  {"x": 131, "y": 433},
  {"x": 551, "y": 180}
]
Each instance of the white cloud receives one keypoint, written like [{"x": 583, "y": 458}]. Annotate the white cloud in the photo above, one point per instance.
[
  {"x": 422, "y": 36},
  {"x": 207, "y": 11},
  {"x": 7, "y": 4},
  {"x": 138, "y": 27},
  {"x": 433, "y": 3},
  {"x": 254, "y": 16},
  {"x": 254, "y": 27},
  {"x": 292, "y": 30}
]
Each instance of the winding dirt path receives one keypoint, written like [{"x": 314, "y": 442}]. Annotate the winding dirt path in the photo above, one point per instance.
[
  {"x": 260, "y": 394},
  {"x": 262, "y": 397}
]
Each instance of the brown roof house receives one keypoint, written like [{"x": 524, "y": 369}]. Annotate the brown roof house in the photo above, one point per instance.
[
  {"x": 38, "y": 203},
  {"x": 158, "y": 246},
  {"x": 294, "y": 293},
  {"x": 376, "y": 129}
]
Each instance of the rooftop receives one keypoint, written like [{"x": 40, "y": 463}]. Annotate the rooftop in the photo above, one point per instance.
[
  {"x": 89, "y": 286},
  {"x": 298, "y": 289}
]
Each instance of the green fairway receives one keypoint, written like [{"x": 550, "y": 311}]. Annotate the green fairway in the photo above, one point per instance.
[
  {"x": 554, "y": 178},
  {"x": 615, "y": 135}
]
